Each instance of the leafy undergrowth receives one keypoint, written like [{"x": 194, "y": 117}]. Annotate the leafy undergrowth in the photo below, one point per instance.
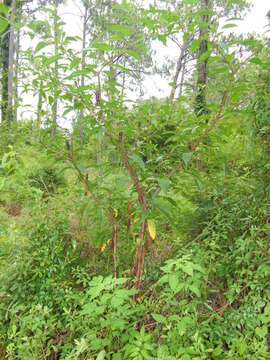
[{"x": 205, "y": 289}]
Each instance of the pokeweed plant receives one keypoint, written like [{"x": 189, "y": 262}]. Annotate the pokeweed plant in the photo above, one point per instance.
[{"x": 109, "y": 119}]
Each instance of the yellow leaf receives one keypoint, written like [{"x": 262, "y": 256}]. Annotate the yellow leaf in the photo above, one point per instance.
[
  {"x": 115, "y": 213},
  {"x": 103, "y": 247},
  {"x": 151, "y": 228},
  {"x": 136, "y": 220}
]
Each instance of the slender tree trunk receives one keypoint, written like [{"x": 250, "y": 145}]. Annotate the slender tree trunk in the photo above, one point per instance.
[
  {"x": 55, "y": 101},
  {"x": 17, "y": 61},
  {"x": 178, "y": 69},
  {"x": 5, "y": 67},
  {"x": 11, "y": 63},
  {"x": 123, "y": 82},
  {"x": 39, "y": 107},
  {"x": 181, "y": 85},
  {"x": 200, "y": 100},
  {"x": 112, "y": 77}
]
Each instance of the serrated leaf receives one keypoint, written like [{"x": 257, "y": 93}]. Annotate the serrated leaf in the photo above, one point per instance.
[{"x": 151, "y": 226}]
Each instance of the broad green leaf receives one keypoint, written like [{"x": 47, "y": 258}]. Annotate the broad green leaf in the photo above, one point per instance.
[
  {"x": 256, "y": 60},
  {"x": 204, "y": 56},
  {"x": 261, "y": 331},
  {"x": 159, "y": 318},
  {"x": 195, "y": 45},
  {"x": 195, "y": 289},
  {"x": 187, "y": 268},
  {"x": 164, "y": 185},
  {"x": 186, "y": 157},
  {"x": 173, "y": 281},
  {"x": 3, "y": 9},
  {"x": 3, "y": 24},
  {"x": 101, "y": 355}
]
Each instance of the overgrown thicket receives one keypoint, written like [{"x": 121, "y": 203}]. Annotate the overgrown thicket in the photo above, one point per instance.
[{"x": 142, "y": 231}]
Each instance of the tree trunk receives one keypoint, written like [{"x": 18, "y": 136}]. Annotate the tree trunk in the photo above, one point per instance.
[
  {"x": 39, "y": 107},
  {"x": 16, "y": 85},
  {"x": 200, "y": 100},
  {"x": 179, "y": 67},
  {"x": 5, "y": 67},
  {"x": 11, "y": 63},
  {"x": 55, "y": 102},
  {"x": 181, "y": 85}
]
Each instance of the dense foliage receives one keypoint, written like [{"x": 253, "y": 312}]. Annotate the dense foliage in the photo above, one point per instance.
[{"x": 139, "y": 229}]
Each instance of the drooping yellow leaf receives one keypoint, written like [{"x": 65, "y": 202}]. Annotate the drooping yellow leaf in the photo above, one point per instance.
[
  {"x": 151, "y": 226},
  {"x": 103, "y": 247},
  {"x": 115, "y": 213}
]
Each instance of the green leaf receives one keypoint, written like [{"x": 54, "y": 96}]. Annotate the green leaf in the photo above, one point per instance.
[
  {"x": 3, "y": 24},
  {"x": 186, "y": 157},
  {"x": 3, "y": 9},
  {"x": 227, "y": 26},
  {"x": 163, "y": 206},
  {"x": 101, "y": 355},
  {"x": 41, "y": 45},
  {"x": 138, "y": 160},
  {"x": 261, "y": 332},
  {"x": 164, "y": 185},
  {"x": 101, "y": 46},
  {"x": 133, "y": 54},
  {"x": 159, "y": 318},
  {"x": 195, "y": 289},
  {"x": 256, "y": 61},
  {"x": 187, "y": 268},
  {"x": 173, "y": 281},
  {"x": 195, "y": 45},
  {"x": 120, "y": 28},
  {"x": 204, "y": 56}
]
